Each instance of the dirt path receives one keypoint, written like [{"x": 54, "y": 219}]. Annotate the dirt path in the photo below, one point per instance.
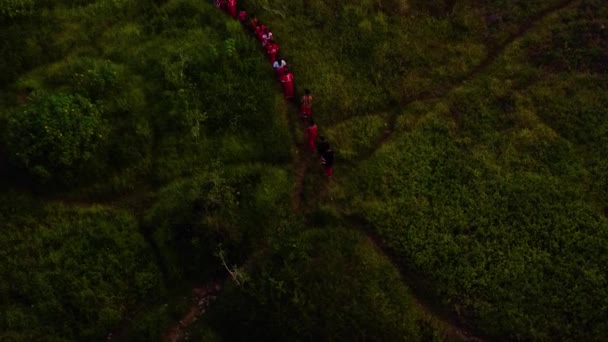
[
  {"x": 202, "y": 297},
  {"x": 452, "y": 326},
  {"x": 493, "y": 54}
]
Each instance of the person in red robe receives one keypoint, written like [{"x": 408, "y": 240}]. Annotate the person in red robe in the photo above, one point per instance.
[
  {"x": 272, "y": 49},
  {"x": 306, "y": 104},
  {"x": 287, "y": 80},
  {"x": 260, "y": 33},
  {"x": 279, "y": 66},
  {"x": 243, "y": 17},
  {"x": 311, "y": 133},
  {"x": 266, "y": 37},
  {"x": 231, "y": 6},
  {"x": 257, "y": 31}
]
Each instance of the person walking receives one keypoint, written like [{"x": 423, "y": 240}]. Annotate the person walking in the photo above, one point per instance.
[
  {"x": 327, "y": 160},
  {"x": 260, "y": 33},
  {"x": 287, "y": 80},
  {"x": 311, "y": 133},
  {"x": 266, "y": 37},
  {"x": 306, "y": 104},
  {"x": 221, "y": 4},
  {"x": 272, "y": 49},
  {"x": 279, "y": 66},
  {"x": 322, "y": 145},
  {"x": 243, "y": 17},
  {"x": 231, "y": 7},
  {"x": 253, "y": 23}
]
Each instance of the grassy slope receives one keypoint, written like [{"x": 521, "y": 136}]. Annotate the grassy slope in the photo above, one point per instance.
[
  {"x": 198, "y": 155},
  {"x": 491, "y": 190}
]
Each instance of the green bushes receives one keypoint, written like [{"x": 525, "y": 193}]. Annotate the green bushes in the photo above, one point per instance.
[
  {"x": 490, "y": 237},
  {"x": 15, "y": 8},
  {"x": 70, "y": 274},
  {"x": 320, "y": 284},
  {"x": 54, "y": 136},
  {"x": 236, "y": 208}
]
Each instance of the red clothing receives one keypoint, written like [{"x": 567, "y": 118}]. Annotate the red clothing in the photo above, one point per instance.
[
  {"x": 253, "y": 23},
  {"x": 260, "y": 34},
  {"x": 232, "y": 8},
  {"x": 312, "y": 136},
  {"x": 258, "y": 31},
  {"x": 272, "y": 49},
  {"x": 279, "y": 67},
  {"x": 242, "y": 16},
  {"x": 329, "y": 170},
  {"x": 287, "y": 81},
  {"x": 306, "y": 105}
]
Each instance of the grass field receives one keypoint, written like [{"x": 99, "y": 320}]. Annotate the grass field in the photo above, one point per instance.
[{"x": 138, "y": 139}]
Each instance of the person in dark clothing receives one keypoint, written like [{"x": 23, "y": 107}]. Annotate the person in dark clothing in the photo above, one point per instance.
[
  {"x": 322, "y": 145},
  {"x": 327, "y": 160},
  {"x": 253, "y": 22}
]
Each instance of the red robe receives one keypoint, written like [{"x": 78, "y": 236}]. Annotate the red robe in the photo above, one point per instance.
[
  {"x": 232, "y": 8},
  {"x": 306, "y": 105},
  {"x": 280, "y": 72},
  {"x": 312, "y": 136},
  {"x": 242, "y": 16},
  {"x": 287, "y": 81},
  {"x": 258, "y": 31},
  {"x": 279, "y": 67},
  {"x": 261, "y": 32},
  {"x": 272, "y": 49}
]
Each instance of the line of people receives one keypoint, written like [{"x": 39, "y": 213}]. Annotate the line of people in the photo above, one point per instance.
[{"x": 266, "y": 38}]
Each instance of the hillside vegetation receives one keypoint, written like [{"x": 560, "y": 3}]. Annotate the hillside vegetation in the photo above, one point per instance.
[
  {"x": 488, "y": 179},
  {"x": 143, "y": 144}
]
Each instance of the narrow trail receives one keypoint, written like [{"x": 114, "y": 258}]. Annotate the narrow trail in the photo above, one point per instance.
[
  {"x": 202, "y": 297},
  {"x": 494, "y": 53},
  {"x": 454, "y": 328}
]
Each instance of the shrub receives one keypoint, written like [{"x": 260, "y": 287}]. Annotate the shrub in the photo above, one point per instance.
[
  {"x": 326, "y": 284},
  {"x": 54, "y": 136}
]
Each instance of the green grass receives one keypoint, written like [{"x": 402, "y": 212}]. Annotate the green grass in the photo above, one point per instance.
[
  {"x": 70, "y": 273},
  {"x": 490, "y": 187}
]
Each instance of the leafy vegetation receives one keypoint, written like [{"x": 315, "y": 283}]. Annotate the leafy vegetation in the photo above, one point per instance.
[
  {"x": 305, "y": 285},
  {"x": 67, "y": 272},
  {"x": 490, "y": 186},
  {"x": 53, "y": 136},
  {"x": 470, "y": 142}
]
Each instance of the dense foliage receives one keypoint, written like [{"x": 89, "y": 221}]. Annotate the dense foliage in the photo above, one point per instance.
[
  {"x": 486, "y": 172},
  {"x": 470, "y": 141},
  {"x": 321, "y": 284},
  {"x": 54, "y": 136},
  {"x": 69, "y": 272},
  {"x": 167, "y": 115}
]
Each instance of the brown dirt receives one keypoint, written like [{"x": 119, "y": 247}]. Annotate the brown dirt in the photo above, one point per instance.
[{"x": 202, "y": 297}]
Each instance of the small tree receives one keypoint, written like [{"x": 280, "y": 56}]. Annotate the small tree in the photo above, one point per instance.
[{"x": 53, "y": 137}]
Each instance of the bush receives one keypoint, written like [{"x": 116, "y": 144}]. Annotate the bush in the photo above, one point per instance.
[
  {"x": 320, "y": 285},
  {"x": 54, "y": 136},
  {"x": 70, "y": 274}
]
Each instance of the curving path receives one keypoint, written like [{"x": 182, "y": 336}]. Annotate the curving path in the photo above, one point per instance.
[
  {"x": 494, "y": 53},
  {"x": 454, "y": 329}
]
